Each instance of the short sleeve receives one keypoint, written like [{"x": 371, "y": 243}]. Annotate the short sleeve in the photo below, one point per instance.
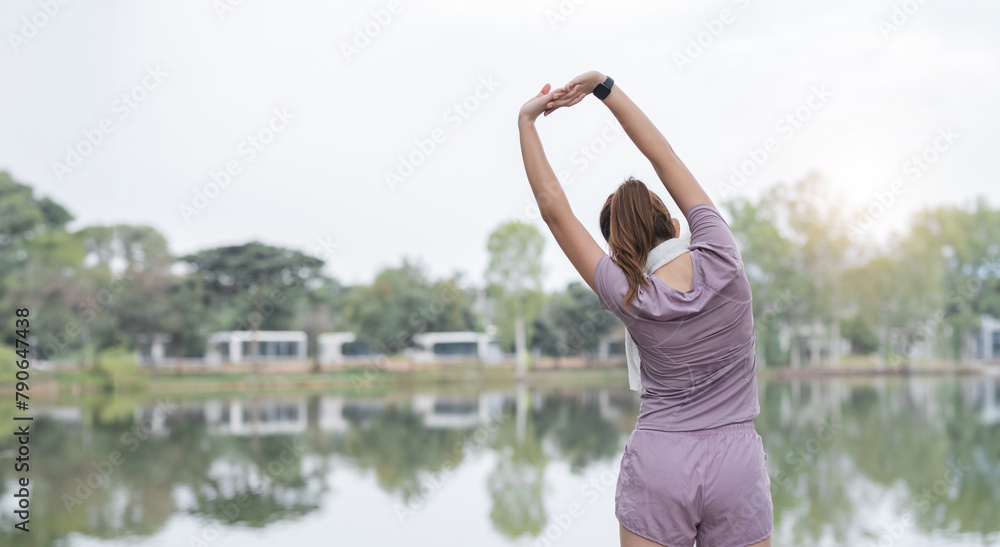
[
  {"x": 711, "y": 232},
  {"x": 610, "y": 284}
]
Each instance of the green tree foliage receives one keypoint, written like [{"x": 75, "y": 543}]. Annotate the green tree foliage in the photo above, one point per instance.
[
  {"x": 105, "y": 287},
  {"x": 402, "y": 302},
  {"x": 38, "y": 259},
  {"x": 572, "y": 323},
  {"x": 23, "y": 216},
  {"x": 794, "y": 251},
  {"x": 254, "y": 286},
  {"x": 811, "y": 286},
  {"x": 514, "y": 279}
]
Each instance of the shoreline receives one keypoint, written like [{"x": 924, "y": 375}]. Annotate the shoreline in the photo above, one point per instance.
[{"x": 373, "y": 380}]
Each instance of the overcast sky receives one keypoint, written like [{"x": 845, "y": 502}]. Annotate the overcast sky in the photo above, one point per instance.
[{"x": 204, "y": 87}]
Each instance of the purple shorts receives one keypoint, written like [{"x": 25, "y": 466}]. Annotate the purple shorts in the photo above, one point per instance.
[{"x": 710, "y": 485}]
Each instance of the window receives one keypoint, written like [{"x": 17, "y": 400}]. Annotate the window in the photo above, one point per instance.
[
  {"x": 456, "y": 348},
  {"x": 355, "y": 348}
]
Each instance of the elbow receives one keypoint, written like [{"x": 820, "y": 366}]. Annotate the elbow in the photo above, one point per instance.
[
  {"x": 553, "y": 218},
  {"x": 553, "y": 206}
]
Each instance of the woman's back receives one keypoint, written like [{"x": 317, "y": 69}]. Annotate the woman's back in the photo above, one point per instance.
[{"x": 696, "y": 347}]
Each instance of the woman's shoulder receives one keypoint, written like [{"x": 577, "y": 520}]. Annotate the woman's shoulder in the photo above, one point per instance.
[
  {"x": 654, "y": 300},
  {"x": 711, "y": 233}
]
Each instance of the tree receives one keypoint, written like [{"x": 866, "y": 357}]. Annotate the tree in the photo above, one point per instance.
[
  {"x": 514, "y": 276},
  {"x": 38, "y": 260},
  {"x": 952, "y": 256},
  {"x": 254, "y": 286},
  {"x": 402, "y": 302},
  {"x": 572, "y": 322},
  {"x": 131, "y": 265},
  {"x": 795, "y": 252},
  {"x": 22, "y": 217}
]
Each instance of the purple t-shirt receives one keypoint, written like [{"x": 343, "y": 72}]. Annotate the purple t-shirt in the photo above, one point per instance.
[{"x": 696, "y": 347}]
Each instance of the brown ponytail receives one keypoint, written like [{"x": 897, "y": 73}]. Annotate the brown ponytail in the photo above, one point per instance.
[{"x": 633, "y": 220}]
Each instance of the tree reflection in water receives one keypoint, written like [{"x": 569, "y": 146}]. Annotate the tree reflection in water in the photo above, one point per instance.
[{"x": 842, "y": 456}]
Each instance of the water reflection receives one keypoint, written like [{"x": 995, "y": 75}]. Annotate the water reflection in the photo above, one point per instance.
[{"x": 850, "y": 461}]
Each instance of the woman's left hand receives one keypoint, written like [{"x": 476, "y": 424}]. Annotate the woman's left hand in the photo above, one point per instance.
[{"x": 537, "y": 104}]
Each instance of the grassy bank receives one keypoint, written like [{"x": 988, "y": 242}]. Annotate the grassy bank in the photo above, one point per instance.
[{"x": 368, "y": 381}]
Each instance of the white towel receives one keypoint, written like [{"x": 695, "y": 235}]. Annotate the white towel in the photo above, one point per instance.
[{"x": 660, "y": 255}]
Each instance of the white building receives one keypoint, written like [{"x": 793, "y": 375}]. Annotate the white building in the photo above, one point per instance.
[
  {"x": 988, "y": 339},
  {"x": 257, "y": 417},
  {"x": 611, "y": 346},
  {"x": 160, "y": 348},
  {"x": 272, "y": 346},
  {"x": 443, "y": 347},
  {"x": 343, "y": 347},
  {"x": 458, "y": 412}
]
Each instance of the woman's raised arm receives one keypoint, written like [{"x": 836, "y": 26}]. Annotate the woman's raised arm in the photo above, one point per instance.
[
  {"x": 575, "y": 241},
  {"x": 676, "y": 177}
]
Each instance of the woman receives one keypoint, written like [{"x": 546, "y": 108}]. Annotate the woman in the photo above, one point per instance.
[{"x": 694, "y": 467}]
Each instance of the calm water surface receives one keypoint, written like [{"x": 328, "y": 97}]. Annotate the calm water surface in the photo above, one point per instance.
[{"x": 872, "y": 462}]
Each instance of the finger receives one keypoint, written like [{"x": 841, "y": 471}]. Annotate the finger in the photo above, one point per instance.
[
  {"x": 571, "y": 94},
  {"x": 565, "y": 101},
  {"x": 562, "y": 99},
  {"x": 578, "y": 99}
]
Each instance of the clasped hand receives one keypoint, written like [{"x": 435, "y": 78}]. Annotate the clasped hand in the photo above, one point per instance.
[{"x": 549, "y": 100}]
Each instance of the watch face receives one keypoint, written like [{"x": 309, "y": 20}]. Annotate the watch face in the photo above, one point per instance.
[{"x": 603, "y": 89}]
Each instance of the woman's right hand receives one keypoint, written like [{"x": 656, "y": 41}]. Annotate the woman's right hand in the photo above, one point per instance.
[{"x": 574, "y": 91}]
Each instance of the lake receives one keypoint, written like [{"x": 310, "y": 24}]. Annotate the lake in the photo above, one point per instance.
[{"x": 852, "y": 462}]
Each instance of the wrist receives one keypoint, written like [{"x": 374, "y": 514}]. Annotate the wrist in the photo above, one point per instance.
[{"x": 603, "y": 89}]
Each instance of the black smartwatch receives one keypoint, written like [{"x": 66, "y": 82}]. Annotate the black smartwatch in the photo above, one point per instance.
[{"x": 604, "y": 88}]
